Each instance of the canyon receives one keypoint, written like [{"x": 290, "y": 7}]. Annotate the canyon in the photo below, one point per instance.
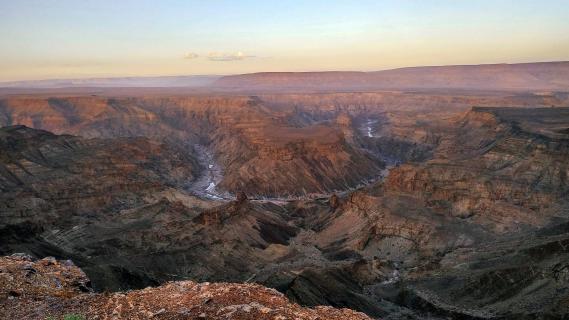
[{"x": 394, "y": 203}]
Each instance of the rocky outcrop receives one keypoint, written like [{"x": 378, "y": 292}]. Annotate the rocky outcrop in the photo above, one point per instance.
[
  {"x": 48, "y": 288},
  {"x": 296, "y": 162},
  {"x": 45, "y": 177},
  {"x": 521, "y": 277},
  {"x": 22, "y": 276},
  {"x": 217, "y": 215},
  {"x": 493, "y": 171}
]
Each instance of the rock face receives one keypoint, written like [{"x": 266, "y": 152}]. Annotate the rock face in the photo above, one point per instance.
[
  {"x": 521, "y": 277},
  {"x": 502, "y": 168},
  {"x": 297, "y": 161},
  {"x": 48, "y": 288},
  {"x": 257, "y": 148},
  {"x": 45, "y": 177}
]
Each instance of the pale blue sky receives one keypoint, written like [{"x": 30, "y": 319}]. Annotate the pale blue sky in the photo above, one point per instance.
[{"x": 84, "y": 38}]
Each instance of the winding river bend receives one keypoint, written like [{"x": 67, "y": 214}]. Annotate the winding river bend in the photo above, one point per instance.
[
  {"x": 367, "y": 128},
  {"x": 205, "y": 186}
]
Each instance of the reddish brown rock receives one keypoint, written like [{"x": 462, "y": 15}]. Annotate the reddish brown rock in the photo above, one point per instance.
[{"x": 48, "y": 288}]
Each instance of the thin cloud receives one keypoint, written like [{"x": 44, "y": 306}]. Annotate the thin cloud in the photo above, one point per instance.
[
  {"x": 191, "y": 55},
  {"x": 219, "y": 56}
]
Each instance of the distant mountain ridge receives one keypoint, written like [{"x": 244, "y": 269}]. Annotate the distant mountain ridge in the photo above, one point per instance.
[
  {"x": 165, "y": 81},
  {"x": 525, "y": 76},
  {"x": 546, "y": 76}
]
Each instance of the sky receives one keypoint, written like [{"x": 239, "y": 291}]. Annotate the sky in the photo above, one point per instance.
[{"x": 49, "y": 39}]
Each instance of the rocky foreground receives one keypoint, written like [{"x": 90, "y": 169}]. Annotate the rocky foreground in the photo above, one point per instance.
[{"x": 47, "y": 288}]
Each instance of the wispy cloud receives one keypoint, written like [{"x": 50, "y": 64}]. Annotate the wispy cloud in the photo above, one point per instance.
[
  {"x": 191, "y": 55},
  {"x": 221, "y": 56}
]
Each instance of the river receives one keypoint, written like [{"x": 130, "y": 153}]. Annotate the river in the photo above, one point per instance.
[{"x": 205, "y": 186}]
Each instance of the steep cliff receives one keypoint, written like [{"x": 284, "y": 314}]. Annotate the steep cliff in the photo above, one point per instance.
[{"x": 503, "y": 168}]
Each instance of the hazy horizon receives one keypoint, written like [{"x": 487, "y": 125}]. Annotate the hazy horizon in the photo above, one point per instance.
[
  {"x": 259, "y": 72},
  {"x": 102, "y": 39}
]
